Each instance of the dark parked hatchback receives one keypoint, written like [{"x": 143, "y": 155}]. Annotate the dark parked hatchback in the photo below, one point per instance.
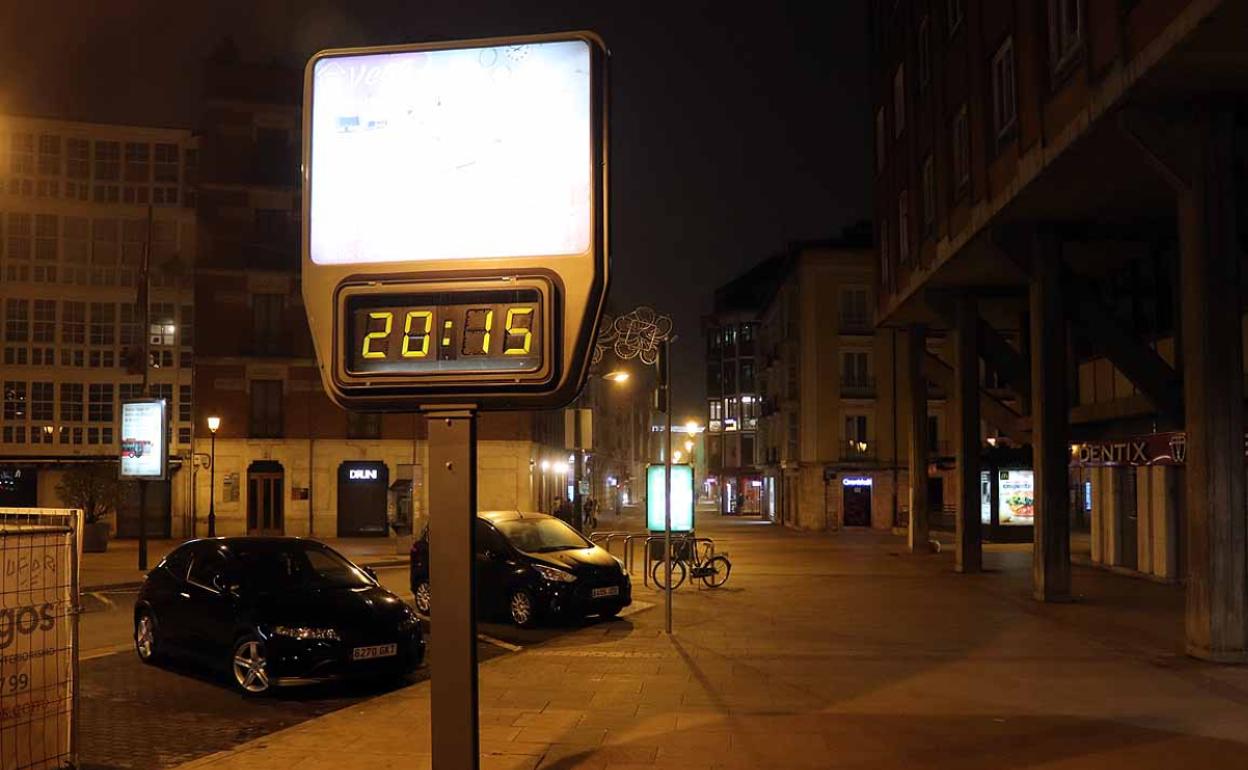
[
  {"x": 532, "y": 567},
  {"x": 274, "y": 611}
]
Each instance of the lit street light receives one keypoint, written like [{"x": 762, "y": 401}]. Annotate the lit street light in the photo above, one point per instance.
[
  {"x": 213, "y": 424},
  {"x": 618, "y": 376}
]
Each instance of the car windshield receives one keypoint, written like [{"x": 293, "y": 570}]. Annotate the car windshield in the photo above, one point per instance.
[
  {"x": 297, "y": 565},
  {"x": 541, "y": 535}
]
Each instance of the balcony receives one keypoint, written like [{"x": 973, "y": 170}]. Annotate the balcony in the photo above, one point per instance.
[
  {"x": 854, "y": 450},
  {"x": 859, "y": 387}
]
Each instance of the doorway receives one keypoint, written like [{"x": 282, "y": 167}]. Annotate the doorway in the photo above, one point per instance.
[
  {"x": 265, "y": 501},
  {"x": 856, "y": 504}
]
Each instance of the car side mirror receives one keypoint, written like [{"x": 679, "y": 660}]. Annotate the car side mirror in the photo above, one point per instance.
[{"x": 372, "y": 573}]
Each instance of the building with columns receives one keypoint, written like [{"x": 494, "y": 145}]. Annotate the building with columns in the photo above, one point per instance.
[{"x": 1070, "y": 170}]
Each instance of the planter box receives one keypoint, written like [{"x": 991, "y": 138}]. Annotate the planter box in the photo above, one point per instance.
[{"x": 95, "y": 537}]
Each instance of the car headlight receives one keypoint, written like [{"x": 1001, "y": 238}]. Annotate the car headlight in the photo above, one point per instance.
[
  {"x": 305, "y": 632},
  {"x": 619, "y": 561},
  {"x": 554, "y": 575}
]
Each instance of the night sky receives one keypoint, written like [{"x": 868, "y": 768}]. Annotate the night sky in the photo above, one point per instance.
[{"x": 736, "y": 127}]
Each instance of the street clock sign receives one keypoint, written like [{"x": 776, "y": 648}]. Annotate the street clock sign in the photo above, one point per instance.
[{"x": 454, "y": 227}]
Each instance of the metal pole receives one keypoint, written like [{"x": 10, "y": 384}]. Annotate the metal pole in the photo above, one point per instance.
[
  {"x": 212, "y": 486},
  {"x": 667, "y": 483},
  {"x": 453, "y": 649},
  {"x": 578, "y": 501},
  {"x": 145, "y": 310},
  {"x": 142, "y": 525}
]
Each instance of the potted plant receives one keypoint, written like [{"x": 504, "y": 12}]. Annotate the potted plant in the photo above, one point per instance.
[{"x": 95, "y": 488}]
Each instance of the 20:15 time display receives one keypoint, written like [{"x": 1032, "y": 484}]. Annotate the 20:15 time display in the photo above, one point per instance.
[{"x": 476, "y": 335}]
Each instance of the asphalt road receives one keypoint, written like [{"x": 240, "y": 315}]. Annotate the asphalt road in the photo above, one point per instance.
[{"x": 139, "y": 716}]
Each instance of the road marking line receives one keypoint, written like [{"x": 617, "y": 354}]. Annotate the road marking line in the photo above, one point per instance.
[
  {"x": 102, "y": 599},
  {"x": 500, "y": 643},
  {"x": 104, "y": 652}
]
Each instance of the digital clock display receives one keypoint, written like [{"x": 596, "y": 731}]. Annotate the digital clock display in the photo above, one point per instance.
[{"x": 446, "y": 332}]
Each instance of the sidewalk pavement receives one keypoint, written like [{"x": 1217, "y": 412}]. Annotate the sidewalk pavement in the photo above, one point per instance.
[
  {"x": 119, "y": 566},
  {"x": 830, "y": 651}
]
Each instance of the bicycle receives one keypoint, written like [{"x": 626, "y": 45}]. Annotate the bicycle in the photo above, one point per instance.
[{"x": 713, "y": 570}]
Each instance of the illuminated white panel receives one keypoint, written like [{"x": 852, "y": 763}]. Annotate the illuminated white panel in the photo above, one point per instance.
[{"x": 456, "y": 154}]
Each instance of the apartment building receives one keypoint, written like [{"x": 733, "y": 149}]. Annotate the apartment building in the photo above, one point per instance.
[
  {"x": 1066, "y": 169},
  {"x": 75, "y": 201}
]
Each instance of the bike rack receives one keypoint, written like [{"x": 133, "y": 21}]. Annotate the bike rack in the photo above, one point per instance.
[{"x": 682, "y": 539}]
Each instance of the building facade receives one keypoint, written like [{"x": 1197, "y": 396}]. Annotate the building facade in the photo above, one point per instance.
[
  {"x": 75, "y": 201},
  {"x": 1068, "y": 170}
]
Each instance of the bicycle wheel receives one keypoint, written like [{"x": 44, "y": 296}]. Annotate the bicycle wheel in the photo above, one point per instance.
[
  {"x": 658, "y": 573},
  {"x": 716, "y": 571}
]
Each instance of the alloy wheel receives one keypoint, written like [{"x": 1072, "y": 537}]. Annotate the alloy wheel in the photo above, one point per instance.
[
  {"x": 145, "y": 637},
  {"x": 521, "y": 608},
  {"x": 422, "y": 597},
  {"x": 249, "y": 667}
]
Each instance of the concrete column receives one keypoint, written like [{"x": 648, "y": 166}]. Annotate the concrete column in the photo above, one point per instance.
[
  {"x": 1213, "y": 394},
  {"x": 1050, "y": 555},
  {"x": 916, "y": 390},
  {"x": 968, "y": 555}
]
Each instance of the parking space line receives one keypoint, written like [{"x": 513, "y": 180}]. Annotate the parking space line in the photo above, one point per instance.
[
  {"x": 102, "y": 599},
  {"x": 500, "y": 643},
  {"x": 104, "y": 652}
]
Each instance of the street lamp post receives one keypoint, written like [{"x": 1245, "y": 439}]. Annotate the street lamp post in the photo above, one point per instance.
[{"x": 213, "y": 424}]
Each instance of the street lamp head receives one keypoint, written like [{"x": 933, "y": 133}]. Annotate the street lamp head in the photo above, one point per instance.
[
  {"x": 619, "y": 376},
  {"x": 692, "y": 427},
  {"x": 688, "y": 446},
  {"x": 677, "y": 456},
  {"x": 214, "y": 423}
]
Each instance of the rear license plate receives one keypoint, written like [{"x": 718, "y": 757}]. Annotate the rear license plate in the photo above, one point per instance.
[
  {"x": 598, "y": 593},
  {"x": 375, "y": 651}
]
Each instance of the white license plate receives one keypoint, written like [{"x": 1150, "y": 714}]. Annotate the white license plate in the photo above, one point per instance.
[
  {"x": 598, "y": 593},
  {"x": 375, "y": 651}
]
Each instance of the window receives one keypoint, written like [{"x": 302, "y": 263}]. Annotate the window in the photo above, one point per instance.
[
  {"x": 1004, "y": 109},
  {"x": 1065, "y": 32},
  {"x": 45, "y": 237},
  {"x": 22, "y": 153},
  {"x": 103, "y": 323},
  {"x": 792, "y": 435},
  {"x": 184, "y": 435},
  {"x": 77, "y": 159},
  {"x": 899, "y": 100},
  {"x": 955, "y": 15},
  {"x": 74, "y": 330},
  {"x": 730, "y": 377},
  {"x": 856, "y": 440},
  {"x": 206, "y": 564},
  {"x": 903, "y": 227},
  {"x": 107, "y": 161},
  {"x": 129, "y": 391},
  {"x": 363, "y": 425},
  {"x": 184, "y": 404},
  {"x": 961, "y": 139},
  {"x": 714, "y": 379},
  {"x": 732, "y": 413},
  {"x": 138, "y": 162},
  {"x": 186, "y": 326},
  {"x": 879, "y": 140},
  {"x": 266, "y": 408},
  {"x": 162, "y": 327},
  {"x": 715, "y": 410},
  {"x": 166, "y": 168},
  {"x": 266, "y": 323},
  {"x": 16, "y": 320},
  {"x": 49, "y": 155},
  {"x": 45, "y": 320},
  {"x": 925, "y": 53},
  {"x": 41, "y": 406},
  {"x": 854, "y": 313},
  {"x": 855, "y": 369},
  {"x": 929, "y": 195},
  {"x": 100, "y": 402},
  {"x": 19, "y": 241},
  {"x": 933, "y": 433},
  {"x": 105, "y": 240},
  {"x": 15, "y": 401},
  {"x": 747, "y": 375}
]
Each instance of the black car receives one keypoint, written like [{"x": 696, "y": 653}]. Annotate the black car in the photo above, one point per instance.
[
  {"x": 530, "y": 567},
  {"x": 274, "y": 611}
]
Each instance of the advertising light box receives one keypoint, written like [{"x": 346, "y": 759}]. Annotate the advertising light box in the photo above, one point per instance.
[
  {"x": 1016, "y": 498},
  {"x": 682, "y": 498},
  {"x": 144, "y": 453},
  {"x": 454, "y": 213}
]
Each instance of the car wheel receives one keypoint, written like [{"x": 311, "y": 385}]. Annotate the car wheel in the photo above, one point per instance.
[
  {"x": 145, "y": 643},
  {"x": 250, "y": 666},
  {"x": 612, "y": 612},
  {"x": 523, "y": 611},
  {"x": 422, "y": 596}
]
